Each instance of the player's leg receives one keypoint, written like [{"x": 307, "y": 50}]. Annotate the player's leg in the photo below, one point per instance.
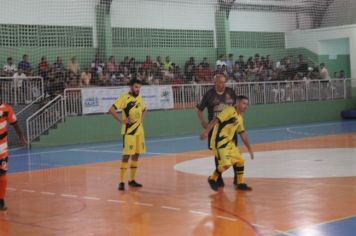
[
  {"x": 3, "y": 183},
  {"x": 140, "y": 148},
  {"x": 127, "y": 151},
  {"x": 234, "y": 166},
  {"x": 238, "y": 162},
  {"x": 216, "y": 160},
  {"x": 223, "y": 164}
]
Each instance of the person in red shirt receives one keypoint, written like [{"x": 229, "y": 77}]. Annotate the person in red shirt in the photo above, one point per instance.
[{"x": 7, "y": 115}]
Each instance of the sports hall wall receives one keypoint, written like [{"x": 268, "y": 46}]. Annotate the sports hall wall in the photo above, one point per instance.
[
  {"x": 100, "y": 128},
  {"x": 138, "y": 28}
]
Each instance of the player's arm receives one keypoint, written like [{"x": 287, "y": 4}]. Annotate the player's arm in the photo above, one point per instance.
[
  {"x": 201, "y": 118},
  {"x": 200, "y": 111},
  {"x": 245, "y": 140},
  {"x": 19, "y": 133},
  {"x": 116, "y": 116},
  {"x": 209, "y": 127}
]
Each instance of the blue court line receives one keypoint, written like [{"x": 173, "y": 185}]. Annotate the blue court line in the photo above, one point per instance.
[
  {"x": 44, "y": 158},
  {"x": 342, "y": 227}
]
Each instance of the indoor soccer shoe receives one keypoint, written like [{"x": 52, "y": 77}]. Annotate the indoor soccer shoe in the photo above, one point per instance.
[
  {"x": 220, "y": 181},
  {"x": 214, "y": 185},
  {"x": 133, "y": 183},
  {"x": 244, "y": 187},
  {"x": 121, "y": 186}
]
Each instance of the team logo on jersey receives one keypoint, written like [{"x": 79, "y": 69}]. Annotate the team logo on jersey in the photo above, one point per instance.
[{"x": 131, "y": 147}]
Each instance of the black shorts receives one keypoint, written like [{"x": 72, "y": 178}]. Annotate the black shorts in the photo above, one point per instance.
[{"x": 3, "y": 166}]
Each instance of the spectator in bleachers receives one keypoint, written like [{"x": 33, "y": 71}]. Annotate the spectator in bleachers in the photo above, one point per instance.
[
  {"x": 132, "y": 66},
  {"x": 158, "y": 62},
  {"x": 168, "y": 64},
  {"x": 58, "y": 67},
  {"x": 238, "y": 74},
  {"x": 189, "y": 69},
  {"x": 19, "y": 77},
  {"x": 342, "y": 74},
  {"x": 43, "y": 67},
  {"x": 125, "y": 62},
  {"x": 147, "y": 64},
  {"x": 111, "y": 66},
  {"x": 200, "y": 76},
  {"x": 241, "y": 63},
  {"x": 85, "y": 77},
  {"x": 104, "y": 79},
  {"x": 24, "y": 65},
  {"x": 324, "y": 74},
  {"x": 205, "y": 63},
  {"x": 230, "y": 63},
  {"x": 221, "y": 61},
  {"x": 301, "y": 65},
  {"x": 97, "y": 66},
  {"x": 73, "y": 66},
  {"x": 9, "y": 68}
]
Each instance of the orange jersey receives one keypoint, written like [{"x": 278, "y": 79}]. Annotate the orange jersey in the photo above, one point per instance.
[{"x": 7, "y": 115}]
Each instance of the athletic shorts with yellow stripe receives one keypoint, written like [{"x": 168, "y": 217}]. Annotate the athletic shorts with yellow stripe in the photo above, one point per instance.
[
  {"x": 229, "y": 156},
  {"x": 133, "y": 144}
]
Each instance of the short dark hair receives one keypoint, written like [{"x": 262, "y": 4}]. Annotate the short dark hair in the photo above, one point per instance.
[
  {"x": 135, "y": 81},
  {"x": 242, "y": 97}
]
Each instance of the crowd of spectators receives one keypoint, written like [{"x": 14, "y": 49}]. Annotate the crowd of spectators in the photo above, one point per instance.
[{"x": 58, "y": 76}]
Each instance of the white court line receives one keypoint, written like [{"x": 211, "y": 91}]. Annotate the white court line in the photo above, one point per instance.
[
  {"x": 116, "y": 201},
  {"x": 171, "y": 208},
  {"x": 199, "y": 213},
  {"x": 11, "y": 189},
  {"x": 28, "y": 190},
  {"x": 283, "y": 233},
  {"x": 143, "y": 204},
  {"x": 226, "y": 218},
  {"x": 91, "y": 198},
  {"x": 69, "y": 195},
  {"x": 118, "y": 152},
  {"x": 48, "y": 193}
]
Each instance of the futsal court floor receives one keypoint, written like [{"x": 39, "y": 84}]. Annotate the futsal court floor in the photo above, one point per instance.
[{"x": 303, "y": 179}]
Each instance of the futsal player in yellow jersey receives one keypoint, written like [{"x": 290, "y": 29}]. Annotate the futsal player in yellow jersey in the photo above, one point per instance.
[
  {"x": 133, "y": 111},
  {"x": 226, "y": 125}
]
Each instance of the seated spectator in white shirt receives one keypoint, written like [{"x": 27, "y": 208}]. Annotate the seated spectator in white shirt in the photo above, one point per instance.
[
  {"x": 73, "y": 66},
  {"x": 324, "y": 74},
  {"x": 221, "y": 61},
  {"x": 97, "y": 65},
  {"x": 10, "y": 68},
  {"x": 19, "y": 76}
]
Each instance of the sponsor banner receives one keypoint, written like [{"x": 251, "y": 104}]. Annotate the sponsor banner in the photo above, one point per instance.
[{"x": 99, "y": 100}]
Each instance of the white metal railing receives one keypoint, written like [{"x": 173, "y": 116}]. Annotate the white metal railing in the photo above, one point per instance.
[
  {"x": 21, "y": 90},
  {"x": 46, "y": 117},
  {"x": 188, "y": 95}
]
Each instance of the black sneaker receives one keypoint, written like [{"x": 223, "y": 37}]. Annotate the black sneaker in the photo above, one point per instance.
[
  {"x": 3, "y": 207},
  {"x": 133, "y": 183},
  {"x": 220, "y": 180},
  {"x": 244, "y": 187},
  {"x": 214, "y": 185},
  {"x": 121, "y": 186}
]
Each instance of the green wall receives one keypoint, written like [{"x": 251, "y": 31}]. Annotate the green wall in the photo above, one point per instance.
[
  {"x": 99, "y": 128},
  {"x": 341, "y": 63}
]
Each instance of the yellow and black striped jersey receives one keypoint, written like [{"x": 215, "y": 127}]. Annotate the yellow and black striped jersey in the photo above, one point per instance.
[
  {"x": 133, "y": 108},
  {"x": 229, "y": 123}
]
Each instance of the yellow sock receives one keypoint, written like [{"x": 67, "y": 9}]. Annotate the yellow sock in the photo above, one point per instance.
[
  {"x": 133, "y": 169},
  {"x": 123, "y": 169},
  {"x": 214, "y": 176},
  {"x": 240, "y": 174}
]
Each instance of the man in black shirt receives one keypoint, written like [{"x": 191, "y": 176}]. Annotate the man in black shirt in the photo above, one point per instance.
[{"x": 215, "y": 100}]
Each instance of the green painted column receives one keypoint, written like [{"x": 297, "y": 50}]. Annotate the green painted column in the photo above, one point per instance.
[
  {"x": 103, "y": 31},
  {"x": 222, "y": 27}
]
